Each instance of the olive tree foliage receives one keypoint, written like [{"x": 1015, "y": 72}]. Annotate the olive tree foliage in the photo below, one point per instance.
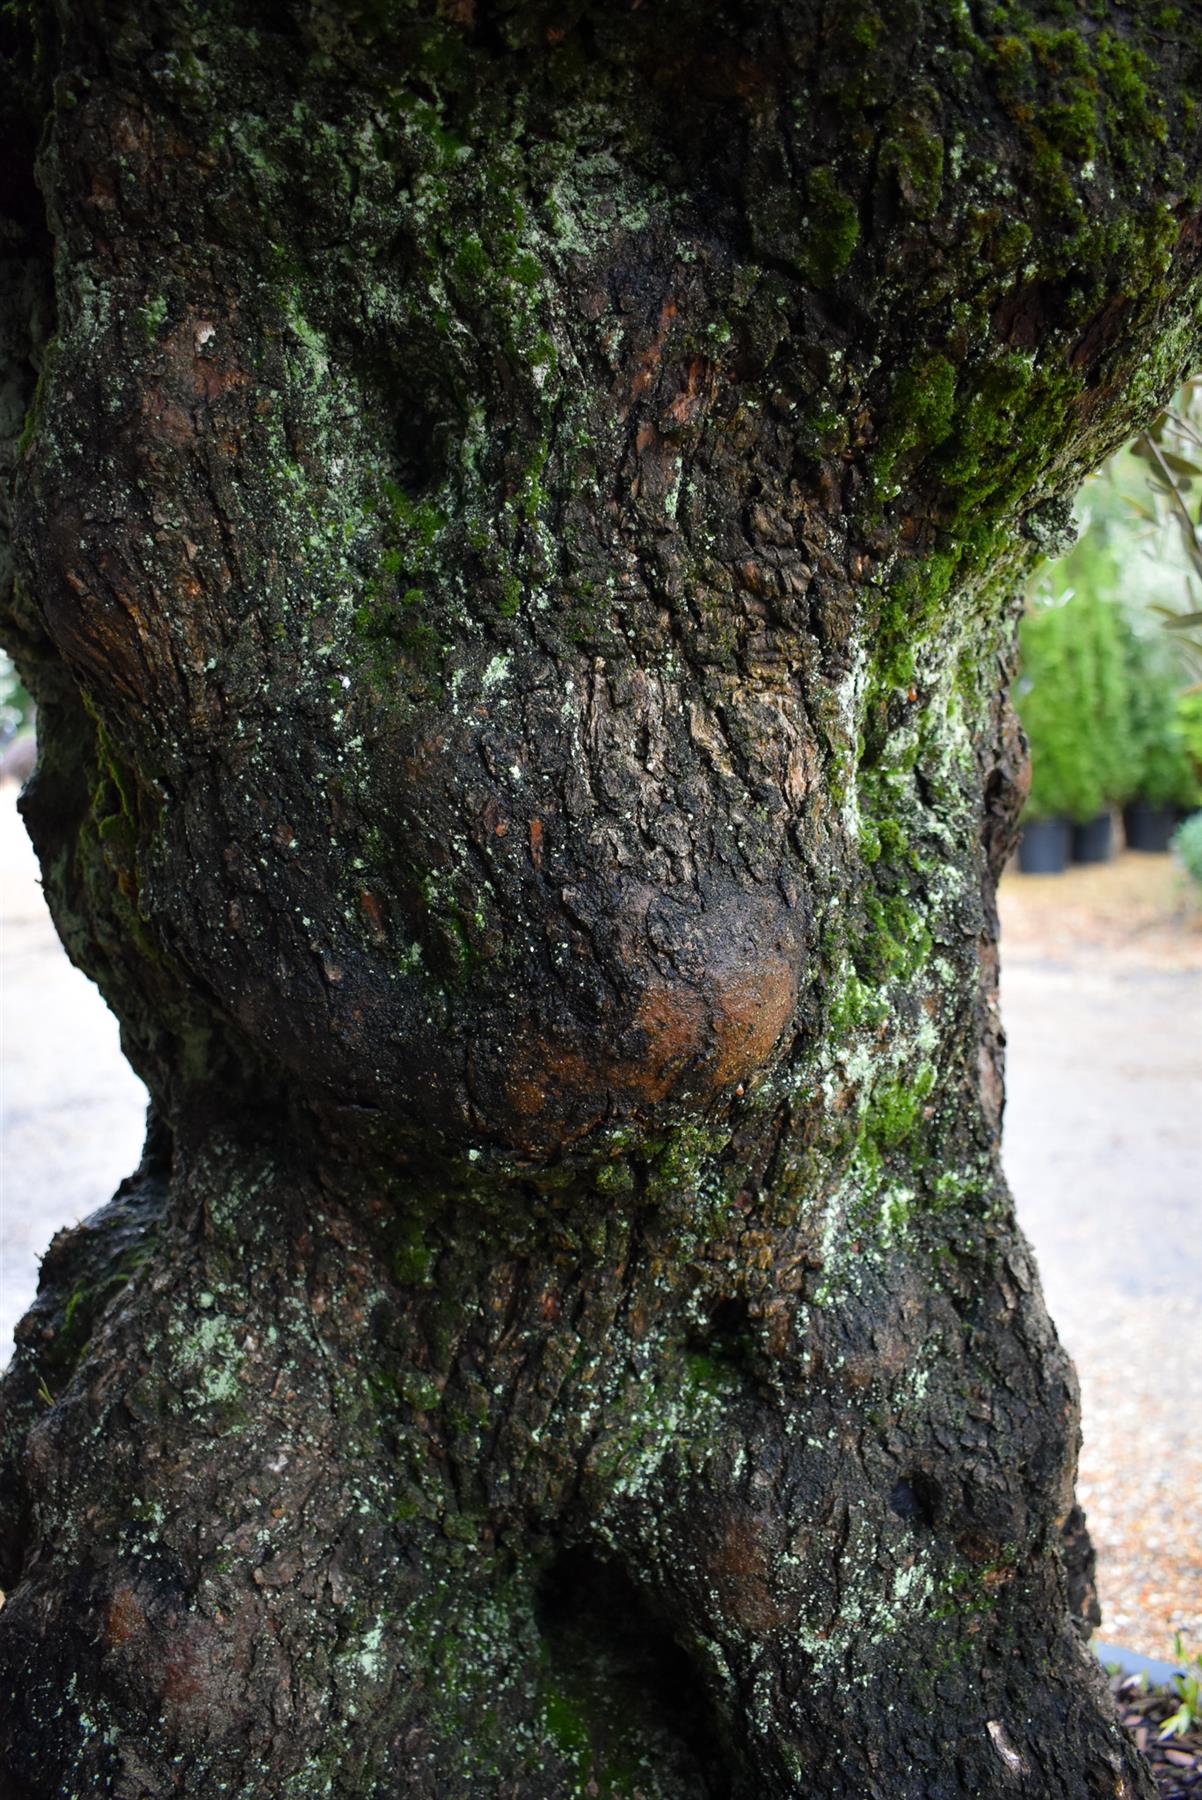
[{"x": 514, "y": 511}]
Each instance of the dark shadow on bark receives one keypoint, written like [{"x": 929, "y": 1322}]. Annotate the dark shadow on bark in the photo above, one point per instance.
[{"x": 628, "y": 1692}]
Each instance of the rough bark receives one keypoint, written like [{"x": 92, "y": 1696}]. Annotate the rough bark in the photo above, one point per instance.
[{"x": 514, "y": 544}]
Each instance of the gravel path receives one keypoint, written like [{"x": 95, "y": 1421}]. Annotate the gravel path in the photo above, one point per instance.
[
  {"x": 1102, "y": 999},
  {"x": 1102, "y": 1003},
  {"x": 71, "y": 1109}
]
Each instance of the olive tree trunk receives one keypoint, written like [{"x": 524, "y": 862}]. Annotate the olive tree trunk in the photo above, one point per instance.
[{"x": 515, "y": 544}]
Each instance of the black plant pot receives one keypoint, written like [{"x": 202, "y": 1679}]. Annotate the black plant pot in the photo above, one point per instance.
[
  {"x": 1149, "y": 828},
  {"x": 1043, "y": 847},
  {"x": 1092, "y": 842}
]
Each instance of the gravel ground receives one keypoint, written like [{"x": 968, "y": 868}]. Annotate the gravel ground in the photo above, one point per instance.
[
  {"x": 1102, "y": 999},
  {"x": 1102, "y": 1003},
  {"x": 71, "y": 1109}
]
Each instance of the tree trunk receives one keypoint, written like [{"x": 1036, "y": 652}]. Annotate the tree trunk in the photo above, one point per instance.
[{"x": 515, "y": 545}]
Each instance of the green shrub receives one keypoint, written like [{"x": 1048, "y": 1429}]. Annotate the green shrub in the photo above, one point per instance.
[
  {"x": 1060, "y": 768},
  {"x": 1189, "y": 718},
  {"x": 1164, "y": 772},
  {"x": 1187, "y": 843},
  {"x": 1073, "y": 694}
]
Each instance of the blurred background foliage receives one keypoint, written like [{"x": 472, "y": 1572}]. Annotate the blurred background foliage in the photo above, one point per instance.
[
  {"x": 1110, "y": 682},
  {"x": 16, "y": 708}
]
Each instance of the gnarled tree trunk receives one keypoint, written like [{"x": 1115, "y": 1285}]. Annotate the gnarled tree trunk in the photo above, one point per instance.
[{"x": 514, "y": 544}]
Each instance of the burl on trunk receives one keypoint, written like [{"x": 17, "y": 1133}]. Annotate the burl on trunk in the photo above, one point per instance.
[{"x": 515, "y": 543}]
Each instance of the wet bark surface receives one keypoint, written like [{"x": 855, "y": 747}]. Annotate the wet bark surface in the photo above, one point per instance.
[{"x": 514, "y": 542}]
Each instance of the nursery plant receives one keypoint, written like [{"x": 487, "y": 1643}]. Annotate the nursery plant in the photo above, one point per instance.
[
  {"x": 1163, "y": 772},
  {"x": 1073, "y": 693}
]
